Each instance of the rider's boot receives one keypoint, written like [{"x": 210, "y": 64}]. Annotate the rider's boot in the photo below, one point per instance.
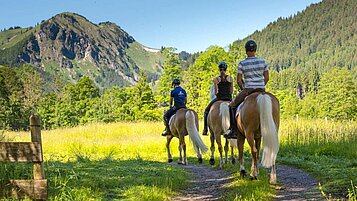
[
  {"x": 205, "y": 130},
  {"x": 231, "y": 133},
  {"x": 167, "y": 128}
]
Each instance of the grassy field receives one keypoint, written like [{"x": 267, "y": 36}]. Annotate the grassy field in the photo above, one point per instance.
[
  {"x": 127, "y": 161},
  {"x": 326, "y": 149}
]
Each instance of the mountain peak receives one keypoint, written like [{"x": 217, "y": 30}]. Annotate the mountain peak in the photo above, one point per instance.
[{"x": 70, "y": 44}]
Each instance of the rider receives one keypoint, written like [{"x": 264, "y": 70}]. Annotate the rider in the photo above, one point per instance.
[
  {"x": 255, "y": 72},
  {"x": 178, "y": 95},
  {"x": 223, "y": 88}
]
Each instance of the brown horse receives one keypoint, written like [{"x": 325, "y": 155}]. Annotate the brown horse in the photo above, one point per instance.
[
  {"x": 218, "y": 122},
  {"x": 184, "y": 122},
  {"x": 259, "y": 117}
]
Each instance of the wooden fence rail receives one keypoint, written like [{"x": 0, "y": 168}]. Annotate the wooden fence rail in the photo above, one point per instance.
[{"x": 26, "y": 152}]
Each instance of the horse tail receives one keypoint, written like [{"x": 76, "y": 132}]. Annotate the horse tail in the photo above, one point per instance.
[
  {"x": 224, "y": 113},
  {"x": 268, "y": 130},
  {"x": 193, "y": 133}
]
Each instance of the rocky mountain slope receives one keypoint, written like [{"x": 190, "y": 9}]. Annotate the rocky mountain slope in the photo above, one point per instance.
[{"x": 68, "y": 46}]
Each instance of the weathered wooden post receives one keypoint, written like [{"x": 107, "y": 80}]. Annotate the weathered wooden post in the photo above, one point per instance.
[
  {"x": 26, "y": 152},
  {"x": 35, "y": 127}
]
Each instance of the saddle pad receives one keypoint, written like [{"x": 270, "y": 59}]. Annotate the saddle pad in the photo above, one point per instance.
[{"x": 171, "y": 119}]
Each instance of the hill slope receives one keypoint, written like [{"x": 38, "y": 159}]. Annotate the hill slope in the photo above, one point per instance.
[
  {"x": 69, "y": 46},
  {"x": 323, "y": 36}
]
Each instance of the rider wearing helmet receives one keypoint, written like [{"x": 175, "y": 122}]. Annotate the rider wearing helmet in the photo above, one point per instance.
[
  {"x": 255, "y": 73},
  {"x": 178, "y": 96},
  {"x": 223, "y": 87}
]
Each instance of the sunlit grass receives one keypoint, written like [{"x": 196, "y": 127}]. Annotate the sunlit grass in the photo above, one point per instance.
[
  {"x": 127, "y": 161},
  {"x": 327, "y": 149}
]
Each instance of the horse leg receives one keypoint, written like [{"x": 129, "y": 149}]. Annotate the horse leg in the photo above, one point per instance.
[
  {"x": 240, "y": 145},
  {"x": 257, "y": 145},
  {"x": 220, "y": 149},
  {"x": 183, "y": 146},
  {"x": 211, "y": 160},
  {"x": 180, "y": 149},
  {"x": 232, "y": 155},
  {"x": 199, "y": 155},
  {"x": 169, "y": 138},
  {"x": 226, "y": 151},
  {"x": 251, "y": 142},
  {"x": 273, "y": 175}
]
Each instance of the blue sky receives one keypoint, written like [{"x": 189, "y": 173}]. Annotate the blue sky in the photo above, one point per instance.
[{"x": 186, "y": 25}]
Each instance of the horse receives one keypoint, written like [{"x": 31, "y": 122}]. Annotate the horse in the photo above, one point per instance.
[
  {"x": 218, "y": 122},
  {"x": 259, "y": 117},
  {"x": 184, "y": 122}
]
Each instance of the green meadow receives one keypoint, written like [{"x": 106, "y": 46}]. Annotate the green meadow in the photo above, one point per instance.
[{"x": 127, "y": 161}]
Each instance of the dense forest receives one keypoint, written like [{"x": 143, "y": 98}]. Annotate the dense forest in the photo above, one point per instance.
[{"x": 312, "y": 57}]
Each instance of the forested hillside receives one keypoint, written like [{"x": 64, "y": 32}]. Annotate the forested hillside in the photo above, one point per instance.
[
  {"x": 312, "y": 58},
  {"x": 312, "y": 42}
]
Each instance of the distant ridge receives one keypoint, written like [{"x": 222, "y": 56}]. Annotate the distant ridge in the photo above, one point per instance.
[{"x": 68, "y": 46}]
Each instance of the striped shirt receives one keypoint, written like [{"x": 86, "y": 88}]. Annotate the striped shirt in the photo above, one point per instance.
[{"x": 252, "y": 69}]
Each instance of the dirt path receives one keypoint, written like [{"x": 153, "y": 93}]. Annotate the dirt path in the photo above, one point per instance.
[
  {"x": 208, "y": 184},
  {"x": 296, "y": 185}
]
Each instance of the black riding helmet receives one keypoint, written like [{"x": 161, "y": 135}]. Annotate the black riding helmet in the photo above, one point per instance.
[
  {"x": 175, "y": 82},
  {"x": 222, "y": 65},
  {"x": 251, "y": 45}
]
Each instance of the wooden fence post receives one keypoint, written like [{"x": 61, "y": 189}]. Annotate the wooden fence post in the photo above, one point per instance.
[
  {"x": 35, "y": 127},
  {"x": 26, "y": 152}
]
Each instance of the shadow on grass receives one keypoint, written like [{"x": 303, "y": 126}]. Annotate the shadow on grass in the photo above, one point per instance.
[{"x": 110, "y": 179}]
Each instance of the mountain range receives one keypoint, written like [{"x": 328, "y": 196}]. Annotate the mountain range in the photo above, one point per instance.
[{"x": 68, "y": 47}]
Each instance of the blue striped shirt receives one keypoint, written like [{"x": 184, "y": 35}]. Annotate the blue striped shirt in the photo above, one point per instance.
[{"x": 252, "y": 69}]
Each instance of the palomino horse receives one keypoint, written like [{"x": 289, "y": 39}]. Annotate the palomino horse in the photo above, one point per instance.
[
  {"x": 184, "y": 122},
  {"x": 257, "y": 117},
  {"x": 218, "y": 122}
]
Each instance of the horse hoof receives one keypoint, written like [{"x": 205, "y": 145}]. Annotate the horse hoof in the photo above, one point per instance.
[
  {"x": 170, "y": 160},
  {"x": 253, "y": 178},
  {"x": 233, "y": 161},
  {"x": 200, "y": 160},
  {"x": 211, "y": 161},
  {"x": 243, "y": 173}
]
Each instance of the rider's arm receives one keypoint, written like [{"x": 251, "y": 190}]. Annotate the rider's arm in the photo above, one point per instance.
[
  {"x": 240, "y": 81},
  {"x": 230, "y": 79},
  {"x": 266, "y": 76},
  {"x": 216, "y": 80}
]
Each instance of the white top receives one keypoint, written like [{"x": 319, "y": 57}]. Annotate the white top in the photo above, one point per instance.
[{"x": 252, "y": 69}]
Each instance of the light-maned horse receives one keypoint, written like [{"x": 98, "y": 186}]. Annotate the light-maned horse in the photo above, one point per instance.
[
  {"x": 259, "y": 117},
  {"x": 184, "y": 122},
  {"x": 218, "y": 122}
]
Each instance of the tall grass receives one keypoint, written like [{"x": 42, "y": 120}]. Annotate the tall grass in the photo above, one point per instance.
[
  {"x": 124, "y": 161},
  {"x": 325, "y": 148},
  {"x": 127, "y": 161}
]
